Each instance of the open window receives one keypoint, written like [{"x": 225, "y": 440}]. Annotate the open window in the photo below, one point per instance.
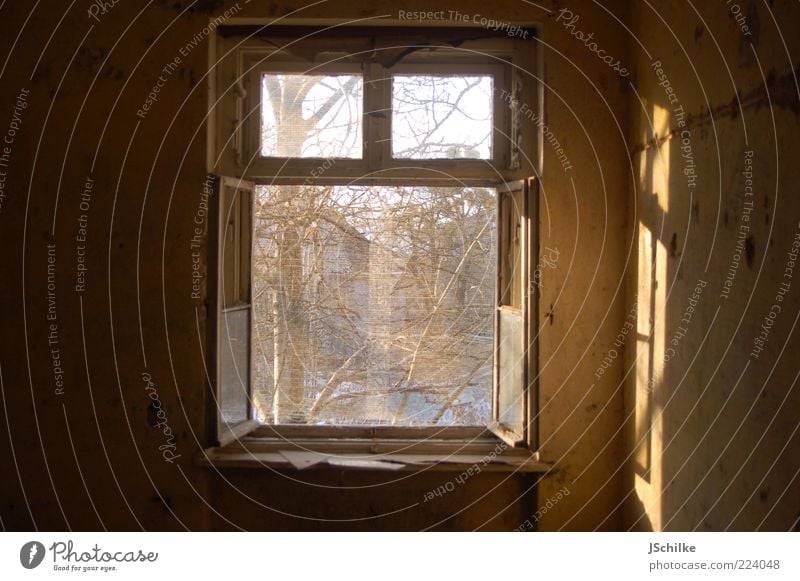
[
  {"x": 233, "y": 315},
  {"x": 515, "y": 356},
  {"x": 374, "y": 267}
]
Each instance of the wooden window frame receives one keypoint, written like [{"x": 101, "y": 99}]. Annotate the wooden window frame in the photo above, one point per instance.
[{"x": 254, "y": 444}]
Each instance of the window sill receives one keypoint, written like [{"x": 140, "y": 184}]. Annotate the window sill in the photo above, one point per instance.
[{"x": 384, "y": 454}]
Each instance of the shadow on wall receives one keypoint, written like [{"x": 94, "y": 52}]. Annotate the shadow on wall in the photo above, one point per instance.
[{"x": 714, "y": 436}]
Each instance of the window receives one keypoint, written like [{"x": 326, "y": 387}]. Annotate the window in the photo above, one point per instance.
[
  {"x": 373, "y": 260},
  {"x": 373, "y": 305},
  {"x": 442, "y": 117},
  {"x": 316, "y": 116}
]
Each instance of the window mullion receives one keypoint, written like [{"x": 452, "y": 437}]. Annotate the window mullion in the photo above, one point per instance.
[{"x": 377, "y": 116}]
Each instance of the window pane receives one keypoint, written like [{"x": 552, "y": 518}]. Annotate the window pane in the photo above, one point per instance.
[
  {"x": 442, "y": 117},
  {"x": 234, "y": 368},
  {"x": 311, "y": 116},
  {"x": 374, "y": 305},
  {"x": 511, "y": 371}
]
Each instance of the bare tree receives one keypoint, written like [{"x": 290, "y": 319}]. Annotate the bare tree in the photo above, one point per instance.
[{"x": 374, "y": 303}]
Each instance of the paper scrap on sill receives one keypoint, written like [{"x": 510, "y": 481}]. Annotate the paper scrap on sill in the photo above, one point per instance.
[{"x": 301, "y": 460}]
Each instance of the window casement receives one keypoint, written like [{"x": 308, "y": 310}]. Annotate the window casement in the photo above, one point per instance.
[{"x": 373, "y": 256}]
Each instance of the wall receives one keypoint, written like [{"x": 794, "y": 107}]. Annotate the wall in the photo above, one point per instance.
[
  {"x": 712, "y": 428},
  {"x": 90, "y": 356}
]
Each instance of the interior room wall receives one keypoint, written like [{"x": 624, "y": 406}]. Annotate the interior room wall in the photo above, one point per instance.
[
  {"x": 712, "y": 430},
  {"x": 98, "y": 182}
]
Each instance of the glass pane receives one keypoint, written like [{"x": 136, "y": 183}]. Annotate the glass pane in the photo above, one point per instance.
[
  {"x": 234, "y": 366},
  {"x": 442, "y": 117},
  {"x": 511, "y": 281},
  {"x": 374, "y": 305},
  {"x": 311, "y": 116},
  {"x": 511, "y": 371}
]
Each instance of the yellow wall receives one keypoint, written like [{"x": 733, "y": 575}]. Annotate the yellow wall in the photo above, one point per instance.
[{"x": 89, "y": 458}]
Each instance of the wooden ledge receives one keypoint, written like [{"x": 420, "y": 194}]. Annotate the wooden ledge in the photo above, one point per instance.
[{"x": 261, "y": 454}]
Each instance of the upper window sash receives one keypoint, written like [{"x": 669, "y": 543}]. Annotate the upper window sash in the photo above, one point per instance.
[{"x": 376, "y": 121}]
